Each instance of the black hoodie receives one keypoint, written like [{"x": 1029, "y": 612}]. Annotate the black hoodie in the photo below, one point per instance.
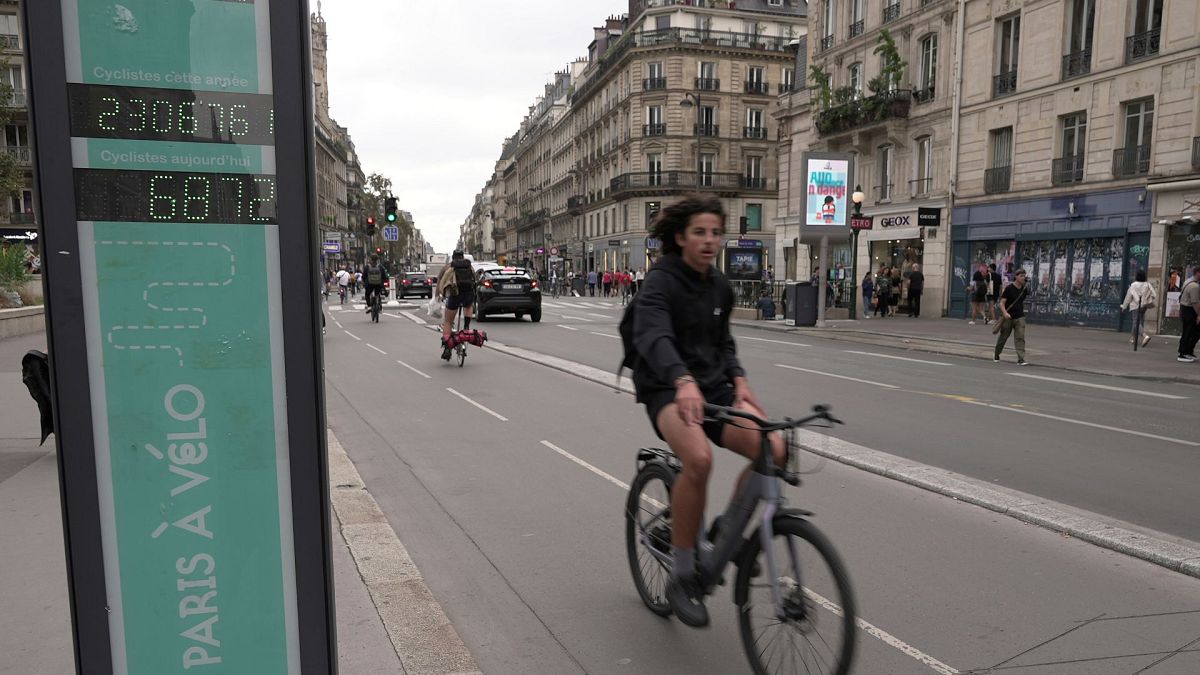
[{"x": 681, "y": 326}]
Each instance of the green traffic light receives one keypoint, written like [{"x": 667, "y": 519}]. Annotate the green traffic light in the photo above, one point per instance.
[{"x": 391, "y": 217}]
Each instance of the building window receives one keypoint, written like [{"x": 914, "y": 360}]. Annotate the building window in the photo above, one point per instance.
[
  {"x": 708, "y": 163},
  {"x": 856, "y": 79},
  {"x": 1147, "y": 26},
  {"x": 707, "y": 76},
  {"x": 883, "y": 191},
  {"x": 652, "y": 209},
  {"x": 662, "y": 22},
  {"x": 998, "y": 176},
  {"x": 655, "y": 76},
  {"x": 1069, "y": 167},
  {"x": 754, "y": 173},
  {"x": 923, "y": 184},
  {"x": 754, "y": 124},
  {"x": 756, "y": 82},
  {"x": 1081, "y": 17},
  {"x": 1134, "y": 158},
  {"x": 1008, "y": 48},
  {"x": 654, "y": 121},
  {"x": 830, "y": 17},
  {"x": 787, "y": 80},
  {"x": 654, "y": 168},
  {"x": 605, "y": 222},
  {"x": 856, "y": 17},
  {"x": 928, "y": 74},
  {"x": 9, "y": 31},
  {"x": 891, "y": 11},
  {"x": 754, "y": 217},
  {"x": 707, "y": 121}
]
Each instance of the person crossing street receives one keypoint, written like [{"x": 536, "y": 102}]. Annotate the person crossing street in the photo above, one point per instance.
[{"x": 1012, "y": 306}]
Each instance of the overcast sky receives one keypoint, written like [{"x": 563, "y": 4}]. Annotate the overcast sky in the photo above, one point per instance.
[{"x": 430, "y": 88}]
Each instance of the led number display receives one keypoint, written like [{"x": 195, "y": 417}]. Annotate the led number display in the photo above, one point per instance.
[
  {"x": 143, "y": 113},
  {"x": 107, "y": 195}
]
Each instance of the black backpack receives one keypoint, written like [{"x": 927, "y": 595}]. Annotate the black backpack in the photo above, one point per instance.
[{"x": 374, "y": 275}]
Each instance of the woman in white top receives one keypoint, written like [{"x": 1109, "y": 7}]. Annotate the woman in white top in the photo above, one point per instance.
[{"x": 1139, "y": 298}]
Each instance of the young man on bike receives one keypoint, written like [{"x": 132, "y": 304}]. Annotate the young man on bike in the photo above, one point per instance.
[
  {"x": 687, "y": 357},
  {"x": 343, "y": 282},
  {"x": 457, "y": 285},
  {"x": 374, "y": 275}
]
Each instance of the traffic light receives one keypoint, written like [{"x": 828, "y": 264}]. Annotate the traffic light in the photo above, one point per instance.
[
  {"x": 390, "y": 210},
  {"x": 370, "y": 223},
  {"x": 743, "y": 225},
  {"x": 378, "y": 250}
]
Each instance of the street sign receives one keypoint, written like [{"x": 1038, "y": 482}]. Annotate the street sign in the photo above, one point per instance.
[
  {"x": 614, "y": 242},
  {"x": 186, "y": 385},
  {"x": 391, "y": 233},
  {"x": 861, "y": 222},
  {"x": 746, "y": 243},
  {"x": 653, "y": 243},
  {"x": 553, "y": 250},
  {"x": 331, "y": 246}
]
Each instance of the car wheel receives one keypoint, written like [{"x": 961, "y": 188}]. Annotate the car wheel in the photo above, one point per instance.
[{"x": 536, "y": 315}]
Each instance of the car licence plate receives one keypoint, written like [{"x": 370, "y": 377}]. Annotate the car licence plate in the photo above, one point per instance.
[{"x": 511, "y": 287}]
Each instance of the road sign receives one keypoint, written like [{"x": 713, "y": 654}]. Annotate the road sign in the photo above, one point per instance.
[
  {"x": 331, "y": 246},
  {"x": 553, "y": 250},
  {"x": 861, "y": 222},
  {"x": 391, "y": 233},
  {"x": 190, "y": 431}
]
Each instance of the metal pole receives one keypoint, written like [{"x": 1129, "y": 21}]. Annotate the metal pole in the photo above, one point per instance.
[
  {"x": 822, "y": 284},
  {"x": 697, "y": 97},
  {"x": 854, "y": 275}
]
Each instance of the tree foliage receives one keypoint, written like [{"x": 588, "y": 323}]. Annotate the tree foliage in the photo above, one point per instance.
[{"x": 12, "y": 176}]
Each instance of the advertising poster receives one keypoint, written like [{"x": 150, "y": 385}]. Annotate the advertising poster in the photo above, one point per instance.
[
  {"x": 744, "y": 264},
  {"x": 828, "y": 189},
  {"x": 1173, "y": 304}
]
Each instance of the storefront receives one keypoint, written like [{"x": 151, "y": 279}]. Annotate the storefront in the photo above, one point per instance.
[
  {"x": 1174, "y": 248},
  {"x": 902, "y": 240},
  {"x": 1079, "y": 251}
]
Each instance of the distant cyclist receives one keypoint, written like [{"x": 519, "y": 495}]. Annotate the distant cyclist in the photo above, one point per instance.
[
  {"x": 457, "y": 285},
  {"x": 343, "y": 281},
  {"x": 686, "y": 357},
  {"x": 373, "y": 275}
]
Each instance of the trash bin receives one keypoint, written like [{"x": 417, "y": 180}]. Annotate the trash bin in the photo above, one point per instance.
[{"x": 801, "y": 304}]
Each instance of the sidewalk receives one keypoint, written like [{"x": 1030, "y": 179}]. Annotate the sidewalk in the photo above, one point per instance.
[
  {"x": 35, "y": 627},
  {"x": 1086, "y": 350}
]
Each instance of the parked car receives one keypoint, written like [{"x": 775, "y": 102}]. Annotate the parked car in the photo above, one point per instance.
[
  {"x": 508, "y": 290},
  {"x": 415, "y": 283}
]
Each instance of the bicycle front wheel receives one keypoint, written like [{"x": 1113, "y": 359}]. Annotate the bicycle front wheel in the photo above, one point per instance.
[
  {"x": 648, "y": 535},
  {"x": 814, "y": 628},
  {"x": 462, "y": 354}
]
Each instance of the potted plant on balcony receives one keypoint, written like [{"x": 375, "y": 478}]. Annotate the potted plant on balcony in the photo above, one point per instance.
[{"x": 13, "y": 275}]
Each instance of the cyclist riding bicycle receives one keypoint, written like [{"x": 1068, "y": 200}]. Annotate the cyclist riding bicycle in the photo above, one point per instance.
[
  {"x": 374, "y": 275},
  {"x": 686, "y": 357},
  {"x": 457, "y": 285}
]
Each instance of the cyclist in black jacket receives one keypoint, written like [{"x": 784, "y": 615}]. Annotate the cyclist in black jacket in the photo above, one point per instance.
[{"x": 686, "y": 357}]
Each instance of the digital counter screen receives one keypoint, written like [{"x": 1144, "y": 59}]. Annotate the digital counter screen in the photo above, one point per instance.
[
  {"x": 117, "y": 195},
  {"x": 143, "y": 113}
]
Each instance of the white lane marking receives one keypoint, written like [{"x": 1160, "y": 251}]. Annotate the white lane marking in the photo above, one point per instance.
[
  {"x": 577, "y": 318},
  {"x": 840, "y": 377},
  {"x": 1068, "y": 420},
  {"x": 608, "y": 335},
  {"x": 415, "y": 319},
  {"x": 567, "y": 327},
  {"x": 778, "y": 342},
  {"x": 351, "y": 334},
  {"x": 484, "y": 408},
  {"x": 339, "y": 323},
  {"x": 413, "y": 369},
  {"x": 871, "y": 629},
  {"x": 554, "y": 304},
  {"x": 602, "y": 316},
  {"x": 1099, "y": 386},
  {"x": 376, "y": 349},
  {"x": 899, "y": 358}
]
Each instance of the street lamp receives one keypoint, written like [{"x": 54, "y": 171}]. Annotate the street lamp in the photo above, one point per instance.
[
  {"x": 690, "y": 99},
  {"x": 857, "y": 199}
]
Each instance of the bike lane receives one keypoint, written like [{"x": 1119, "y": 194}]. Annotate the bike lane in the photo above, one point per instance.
[{"x": 525, "y": 546}]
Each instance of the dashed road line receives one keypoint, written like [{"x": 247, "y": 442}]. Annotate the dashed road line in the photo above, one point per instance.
[
  {"x": 376, "y": 349},
  {"x": 840, "y": 377},
  {"x": 898, "y": 358},
  {"x": 607, "y": 335},
  {"x": 567, "y": 327},
  {"x": 602, "y": 316},
  {"x": 1093, "y": 425},
  {"x": 577, "y": 318},
  {"x": 482, "y": 407},
  {"x": 351, "y": 335},
  {"x": 413, "y": 369},
  {"x": 778, "y": 342},
  {"x": 1100, "y": 386}
]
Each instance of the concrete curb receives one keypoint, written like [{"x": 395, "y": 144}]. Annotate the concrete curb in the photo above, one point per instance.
[
  {"x": 947, "y": 346},
  {"x": 1154, "y": 547},
  {"x": 22, "y": 321},
  {"x": 423, "y": 637}
]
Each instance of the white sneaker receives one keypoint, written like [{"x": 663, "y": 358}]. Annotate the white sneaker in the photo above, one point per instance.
[
  {"x": 1145, "y": 340},
  {"x": 1186, "y": 359},
  {"x": 970, "y": 323}
]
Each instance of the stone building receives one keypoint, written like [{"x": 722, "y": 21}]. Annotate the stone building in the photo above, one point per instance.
[{"x": 18, "y": 223}]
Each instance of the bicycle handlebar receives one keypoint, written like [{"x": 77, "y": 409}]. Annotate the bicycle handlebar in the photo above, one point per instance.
[{"x": 724, "y": 413}]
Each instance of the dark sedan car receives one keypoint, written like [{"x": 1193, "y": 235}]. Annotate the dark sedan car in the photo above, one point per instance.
[
  {"x": 414, "y": 283},
  {"x": 508, "y": 290}
]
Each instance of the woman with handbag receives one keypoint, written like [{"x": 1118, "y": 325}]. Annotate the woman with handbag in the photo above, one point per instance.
[
  {"x": 868, "y": 293},
  {"x": 1139, "y": 298}
]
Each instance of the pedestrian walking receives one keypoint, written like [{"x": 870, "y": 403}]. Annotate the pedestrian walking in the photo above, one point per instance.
[
  {"x": 638, "y": 278},
  {"x": 995, "y": 285},
  {"x": 1012, "y": 306},
  {"x": 916, "y": 286},
  {"x": 868, "y": 292},
  {"x": 607, "y": 280},
  {"x": 894, "y": 301},
  {"x": 591, "y": 282},
  {"x": 883, "y": 291},
  {"x": 1189, "y": 317},
  {"x": 1139, "y": 298},
  {"x": 979, "y": 291}
]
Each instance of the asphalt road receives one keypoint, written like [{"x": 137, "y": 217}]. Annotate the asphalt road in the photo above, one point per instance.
[{"x": 524, "y": 545}]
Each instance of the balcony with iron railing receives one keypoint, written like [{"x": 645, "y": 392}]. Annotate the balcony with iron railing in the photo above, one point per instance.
[
  {"x": 1077, "y": 64},
  {"x": 1196, "y": 152},
  {"x": 671, "y": 181},
  {"x": 652, "y": 83},
  {"x": 659, "y": 129},
  {"x": 20, "y": 218},
  {"x": 18, "y": 99},
  {"x": 786, "y": 87},
  {"x": 1004, "y": 83},
  {"x": 530, "y": 219},
  {"x": 1131, "y": 161},
  {"x": 862, "y": 112},
  {"x": 923, "y": 95},
  {"x": 883, "y": 193},
  {"x": 10, "y": 42},
  {"x": 827, "y": 43},
  {"x": 1142, "y": 45},
  {"x": 997, "y": 179},
  {"x": 920, "y": 187},
  {"x": 21, "y": 154},
  {"x": 757, "y": 87},
  {"x": 856, "y": 28},
  {"x": 758, "y": 133},
  {"x": 1066, "y": 170},
  {"x": 706, "y": 129},
  {"x": 708, "y": 83},
  {"x": 575, "y": 202},
  {"x": 891, "y": 12}
]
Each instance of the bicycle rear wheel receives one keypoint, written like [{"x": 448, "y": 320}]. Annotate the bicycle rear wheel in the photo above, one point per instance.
[
  {"x": 462, "y": 354},
  {"x": 648, "y": 531},
  {"x": 817, "y": 633}
]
